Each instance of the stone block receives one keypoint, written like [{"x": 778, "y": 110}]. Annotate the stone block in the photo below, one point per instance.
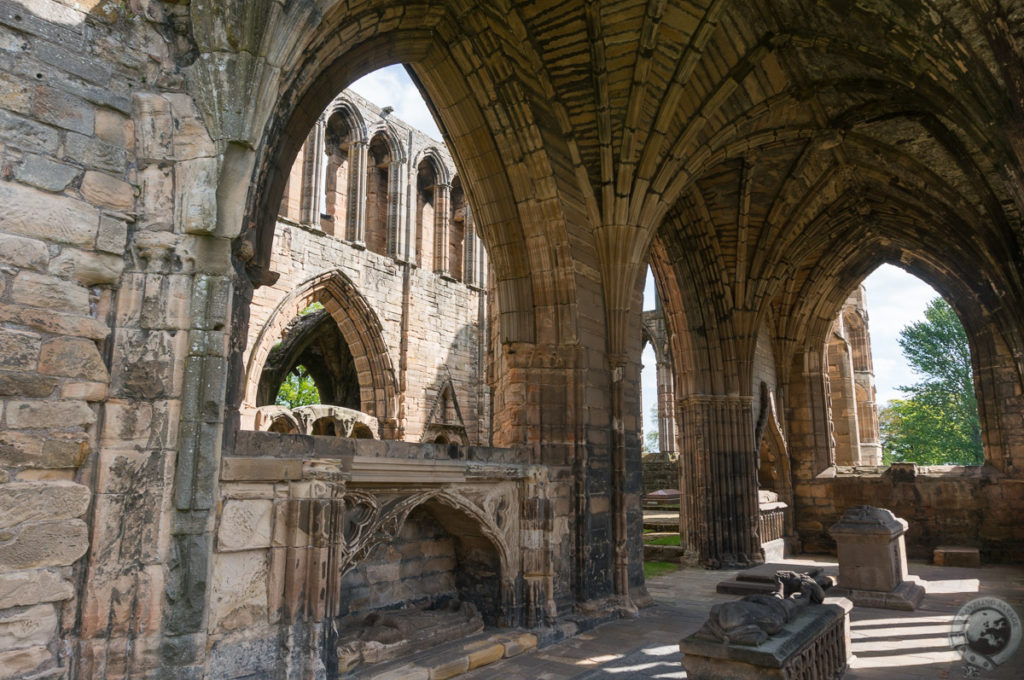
[
  {"x": 956, "y": 556},
  {"x": 112, "y": 235},
  {"x": 35, "y": 501},
  {"x": 450, "y": 669},
  {"x": 259, "y": 444},
  {"x": 87, "y": 268},
  {"x": 21, "y": 662},
  {"x": 15, "y": 94},
  {"x": 30, "y": 627},
  {"x": 22, "y": 415},
  {"x": 19, "y": 350},
  {"x": 148, "y": 364},
  {"x": 55, "y": 322},
  {"x": 156, "y": 197},
  {"x": 195, "y": 183},
  {"x": 38, "y": 451},
  {"x": 48, "y": 175},
  {"x": 63, "y": 110},
  {"x": 94, "y": 153},
  {"x": 72, "y": 358},
  {"x": 114, "y": 128},
  {"x": 516, "y": 645},
  {"x": 492, "y": 652},
  {"x": 107, "y": 191},
  {"x": 22, "y": 588},
  {"x": 88, "y": 391},
  {"x": 25, "y": 253},
  {"x": 43, "y": 544},
  {"x": 238, "y": 597},
  {"x": 49, "y": 292},
  {"x": 245, "y": 524},
  {"x": 35, "y": 213},
  {"x": 260, "y": 469},
  {"x": 29, "y": 134},
  {"x": 154, "y": 126}
]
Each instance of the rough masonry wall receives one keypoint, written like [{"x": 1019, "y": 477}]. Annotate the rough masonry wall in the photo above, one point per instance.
[
  {"x": 969, "y": 506},
  {"x": 68, "y": 187}
]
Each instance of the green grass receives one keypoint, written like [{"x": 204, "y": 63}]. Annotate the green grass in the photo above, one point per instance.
[
  {"x": 652, "y": 569},
  {"x": 664, "y": 540}
]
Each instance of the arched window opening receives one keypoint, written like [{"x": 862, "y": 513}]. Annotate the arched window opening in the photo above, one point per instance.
[
  {"x": 428, "y": 254},
  {"x": 312, "y": 364},
  {"x": 460, "y": 250},
  {"x": 919, "y": 405},
  {"x": 378, "y": 197},
  {"x": 338, "y": 138}
]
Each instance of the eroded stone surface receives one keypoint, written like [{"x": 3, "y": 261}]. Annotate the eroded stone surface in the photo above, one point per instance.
[
  {"x": 19, "y": 588},
  {"x": 29, "y": 502},
  {"x": 43, "y": 544},
  {"x": 245, "y": 524}
]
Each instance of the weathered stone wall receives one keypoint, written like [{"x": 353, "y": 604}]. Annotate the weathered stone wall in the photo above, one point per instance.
[
  {"x": 944, "y": 506},
  {"x": 71, "y": 136},
  {"x": 429, "y": 323},
  {"x": 660, "y": 474}
]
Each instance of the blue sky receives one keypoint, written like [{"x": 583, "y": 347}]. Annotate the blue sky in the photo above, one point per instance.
[{"x": 894, "y": 297}]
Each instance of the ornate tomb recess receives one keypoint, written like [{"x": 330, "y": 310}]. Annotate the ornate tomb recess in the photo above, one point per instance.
[{"x": 376, "y": 548}]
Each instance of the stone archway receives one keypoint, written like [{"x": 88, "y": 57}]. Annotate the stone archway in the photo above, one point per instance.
[{"x": 360, "y": 328}]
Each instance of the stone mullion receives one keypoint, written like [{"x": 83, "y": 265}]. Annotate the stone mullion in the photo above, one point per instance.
[
  {"x": 313, "y": 175},
  {"x": 469, "y": 247},
  {"x": 442, "y": 235},
  {"x": 355, "y": 220},
  {"x": 398, "y": 238},
  {"x": 720, "y": 469}
]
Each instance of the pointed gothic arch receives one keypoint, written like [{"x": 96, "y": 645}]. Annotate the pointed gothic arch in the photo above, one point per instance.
[{"x": 361, "y": 329}]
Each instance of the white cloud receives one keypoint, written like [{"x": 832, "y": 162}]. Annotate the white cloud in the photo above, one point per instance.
[
  {"x": 392, "y": 86},
  {"x": 894, "y": 299}
]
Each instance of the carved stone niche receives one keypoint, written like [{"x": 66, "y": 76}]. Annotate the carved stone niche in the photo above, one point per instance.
[{"x": 873, "y": 559}]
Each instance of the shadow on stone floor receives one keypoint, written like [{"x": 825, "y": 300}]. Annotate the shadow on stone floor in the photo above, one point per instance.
[{"x": 887, "y": 644}]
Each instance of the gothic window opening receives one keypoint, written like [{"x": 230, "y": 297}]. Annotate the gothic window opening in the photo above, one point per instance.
[{"x": 378, "y": 196}]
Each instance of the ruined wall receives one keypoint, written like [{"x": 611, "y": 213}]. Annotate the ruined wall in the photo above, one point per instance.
[
  {"x": 439, "y": 322},
  {"x": 944, "y": 505}
]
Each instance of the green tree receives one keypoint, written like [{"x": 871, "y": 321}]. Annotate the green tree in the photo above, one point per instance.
[
  {"x": 652, "y": 442},
  {"x": 938, "y": 422},
  {"x": 298, "y": 389}
]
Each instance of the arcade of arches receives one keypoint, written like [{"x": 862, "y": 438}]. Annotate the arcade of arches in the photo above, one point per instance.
[{"x": 181, "y": 182}]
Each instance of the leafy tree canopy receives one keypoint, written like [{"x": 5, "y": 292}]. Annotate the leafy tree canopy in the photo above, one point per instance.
[
  {"x": 938, "y": 423},
  {"x": 298, "y": 389}
]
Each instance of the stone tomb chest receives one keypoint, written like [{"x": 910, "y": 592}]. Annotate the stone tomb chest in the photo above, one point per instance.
[
  {"x": 815, "y": 645},
  {"x": 873, "y": 559}
]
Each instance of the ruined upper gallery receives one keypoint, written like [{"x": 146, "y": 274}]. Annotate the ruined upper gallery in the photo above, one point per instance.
[{"x": 763, "y": 157}]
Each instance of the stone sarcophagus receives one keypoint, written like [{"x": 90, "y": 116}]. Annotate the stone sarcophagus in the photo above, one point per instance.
[
  {"x": 873, "y": 559},
  {"x": 783, "y": 636}
]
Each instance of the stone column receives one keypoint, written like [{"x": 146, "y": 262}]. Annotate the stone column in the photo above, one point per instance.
[
  {"x": 666, "y": 409},
  {"x": 843, "y": 398},
  {"x": 355, "y": 220},
  {"x": 718, "y": 496},
  {"x": 314, "y": 175},
  {"x": 442, "y": 235}
]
